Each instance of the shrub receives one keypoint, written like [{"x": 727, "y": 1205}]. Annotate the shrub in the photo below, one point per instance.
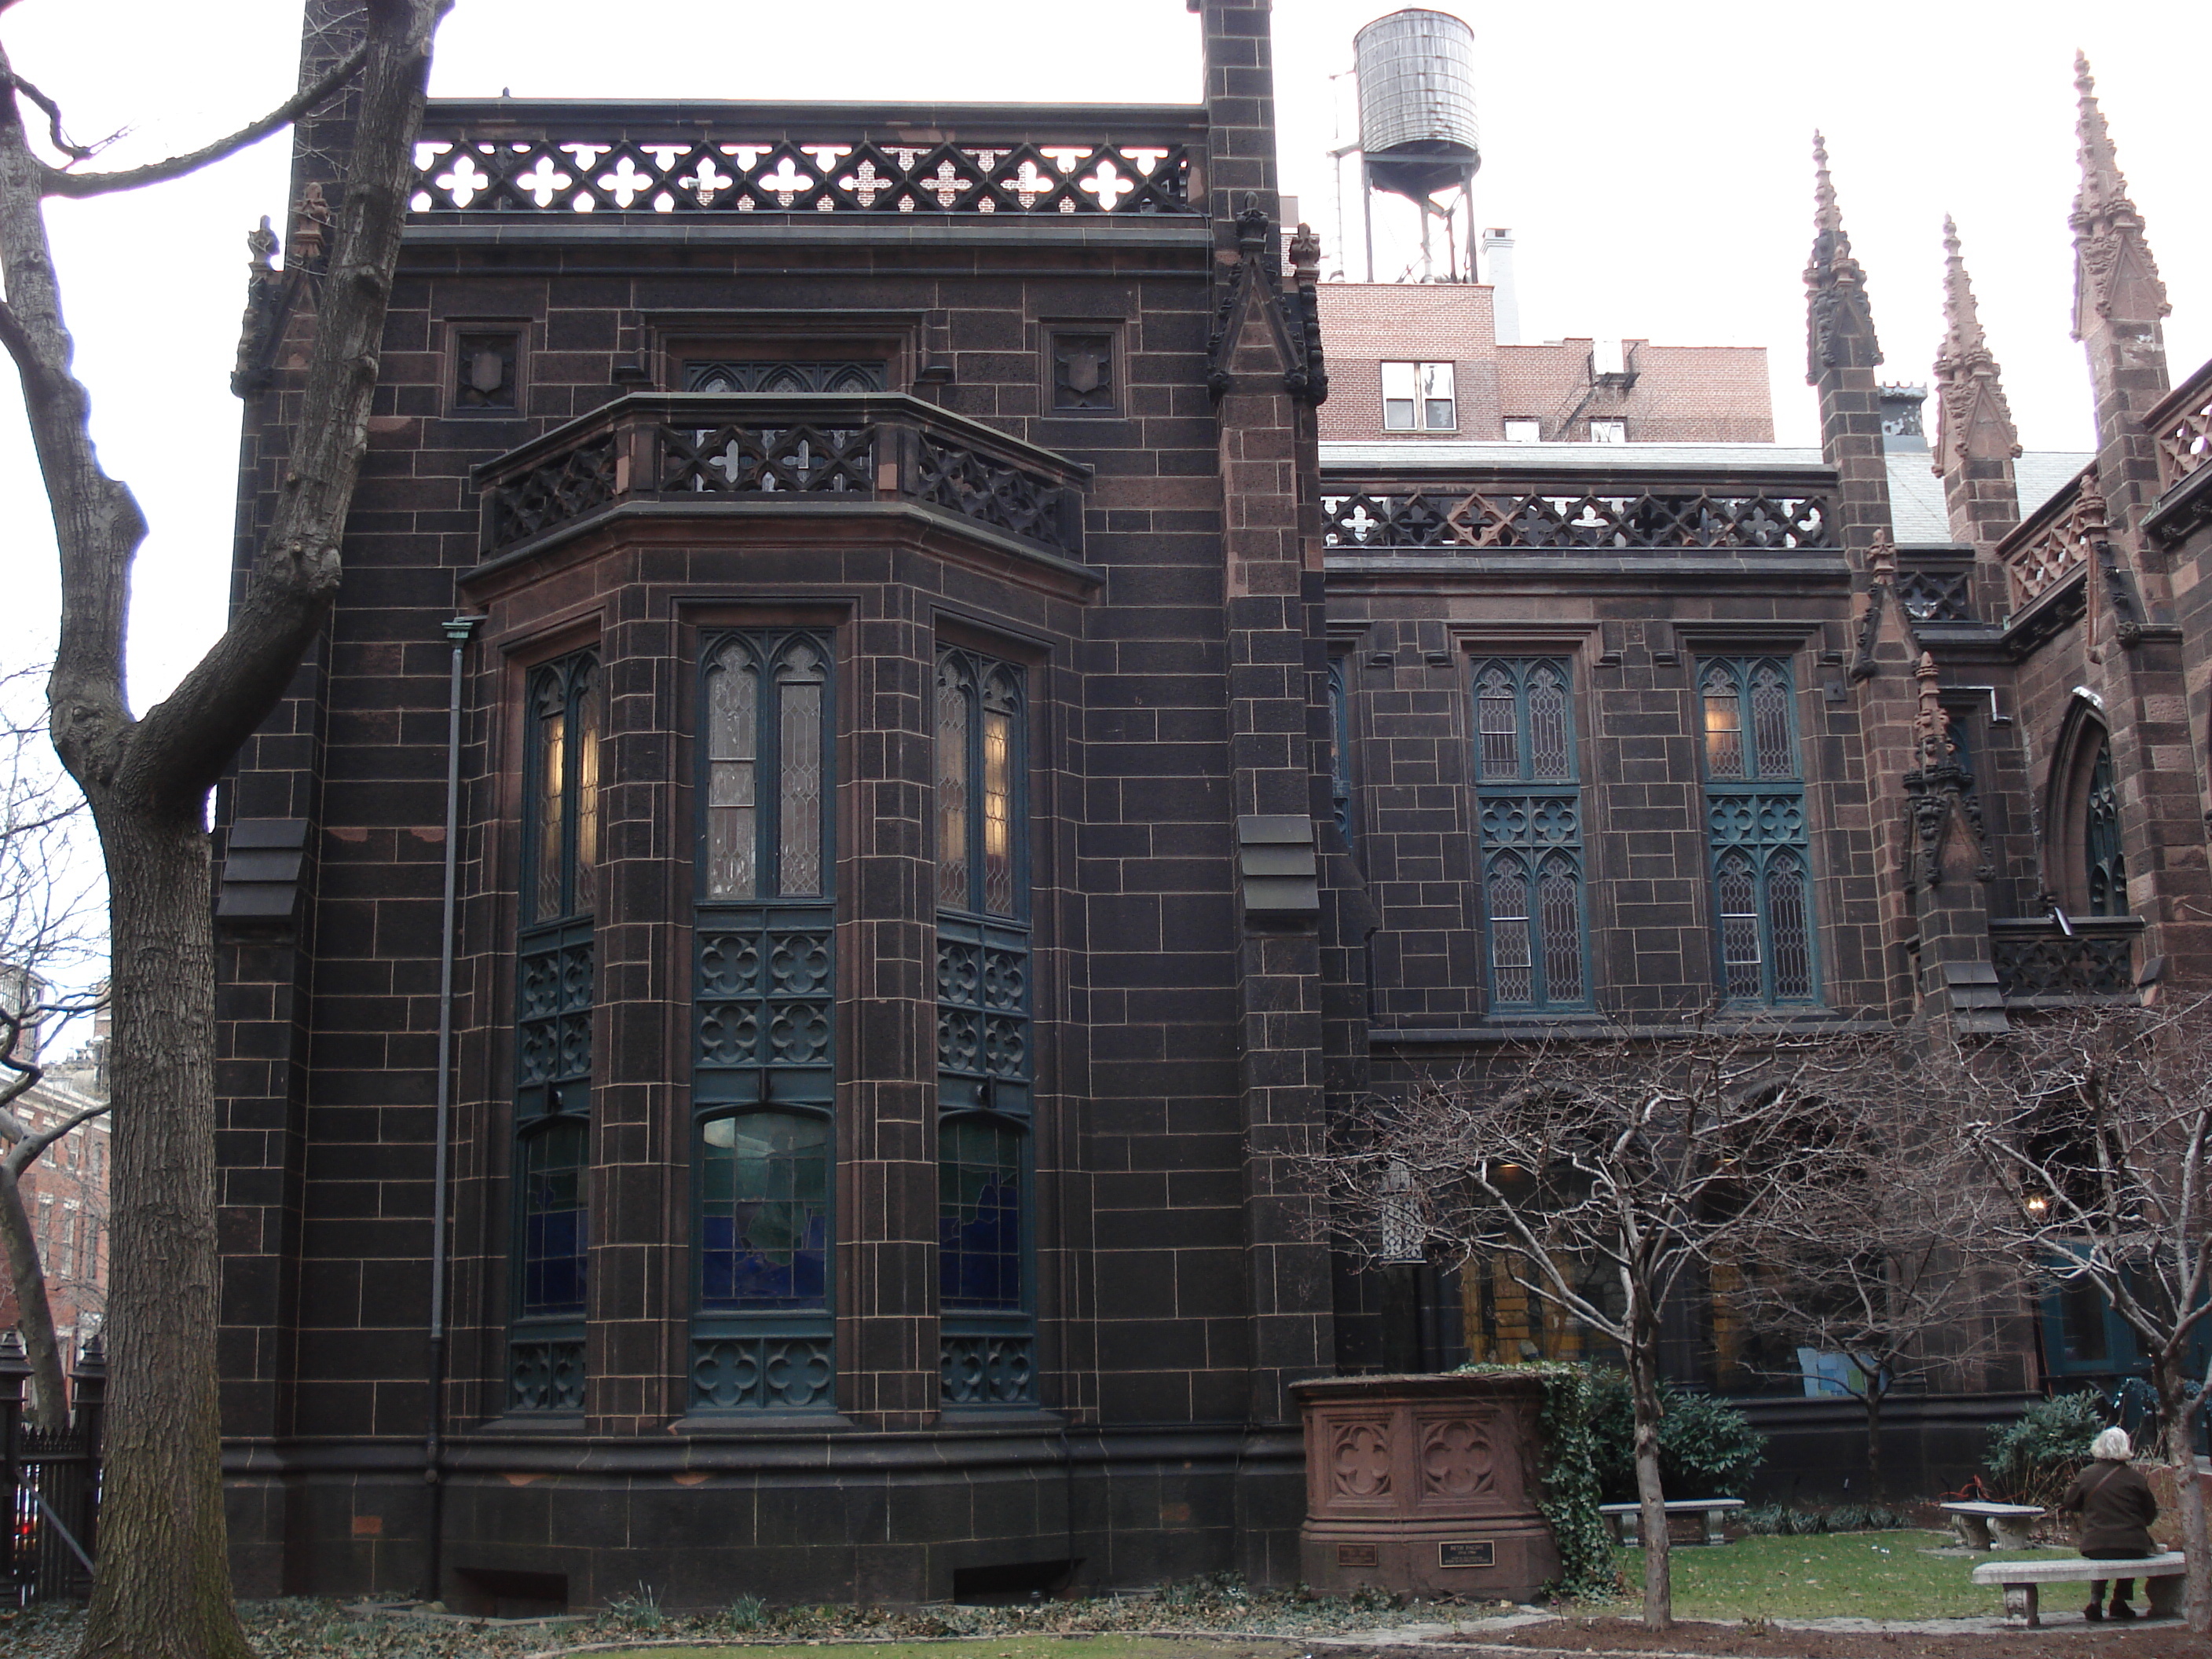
[
  {"x": 1772, "y": 1520},
  {"x": 1707, "y": 1448},
  {"x": 2035, "y": 1457}
]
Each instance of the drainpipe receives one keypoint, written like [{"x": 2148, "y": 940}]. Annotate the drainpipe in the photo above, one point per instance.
[{"x": 458, "y": 630}]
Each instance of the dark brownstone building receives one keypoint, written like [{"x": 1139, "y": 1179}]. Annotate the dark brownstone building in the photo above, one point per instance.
[{"x": 952, "y": 782}]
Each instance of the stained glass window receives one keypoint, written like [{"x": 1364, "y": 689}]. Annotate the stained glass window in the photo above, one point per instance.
[
  {"x": 764, "y": 1211},
  {"x": 1757, "y": 831},
  {"x": 555, "y": 1224},
  {"x": 1530, "y": 808},
  {"x": 2106, "y": 860},
  {"x": 1340, "y": 717},
  {"x": 554, "y": 984},
  {"x": 765, "y": 1004},
  {"x": 979, "y": 1225},
  {"x": 984, "y": 1052}
]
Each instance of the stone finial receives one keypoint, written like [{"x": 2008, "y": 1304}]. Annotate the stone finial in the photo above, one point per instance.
[
  {"x": 1881, "y": 558},
  {"x": 1972, "y": 419},
  {"x": 1931, "y": 723},
  {"x": 1253, "y": 228},
  {"x": 1839, "y": 324},
  {"x": 261, "y": 244},
  {"x": 1305, "y": 255},
  {"x": 311, "y": 223},
  {"x": 1828, "y": 218},
  {"x": 2114, "y": 275}
]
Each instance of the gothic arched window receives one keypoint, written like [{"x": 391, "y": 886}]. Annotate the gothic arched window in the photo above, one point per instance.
[
  {"x": 764, "y": 1008},
  {"x": 1530, "y": 807},
  {"x": 1757, "y": 832}
]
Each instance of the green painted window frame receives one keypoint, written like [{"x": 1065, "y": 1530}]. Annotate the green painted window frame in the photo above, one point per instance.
[
  {"x": 763, "y": 986},
  {"x": 1759, "y": 841},
  {"x": 986, "y": 1035},
  {"x": 1531, "y": 830}
]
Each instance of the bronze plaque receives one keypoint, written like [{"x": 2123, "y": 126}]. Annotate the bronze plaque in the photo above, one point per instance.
[
  {"x": 1355, "y": 1555},
  {"x": 1467, "y": 1553}
]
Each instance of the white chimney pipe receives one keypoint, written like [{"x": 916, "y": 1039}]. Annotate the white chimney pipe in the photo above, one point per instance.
[{"x": 1505, "y": 301}]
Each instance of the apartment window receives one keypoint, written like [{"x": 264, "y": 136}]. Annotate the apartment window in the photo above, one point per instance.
[
  {"x": 554, "y": 975},
  {"x": 1418, "y": 398},
  {"x": 763, "y": 1026},
  {"x": 1530, "y": 807},
  {"x": 1608, "y": 432},
  {"x": 1756, "y": 831},
  {"x": 1523, "y": 430},
  {"x": 986, "y": 1334}
]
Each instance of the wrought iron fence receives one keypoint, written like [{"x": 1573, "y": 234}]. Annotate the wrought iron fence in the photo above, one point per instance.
[
  {"x": 52, "y": 1477},
  {"x": 737, "y": 446},
  {"x": 1547, "y": 517},
  {"x": 478, "y": 159}
]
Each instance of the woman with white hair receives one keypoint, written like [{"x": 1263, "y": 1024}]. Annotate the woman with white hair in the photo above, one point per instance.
[{"x": 2117, "y": 1509}]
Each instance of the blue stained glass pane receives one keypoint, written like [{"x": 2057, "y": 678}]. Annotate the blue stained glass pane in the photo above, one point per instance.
[
  {"x": 555, "y": 1226},
  {"x": 979, "y": 1223},
  {"x": 764, "y": 1212}
]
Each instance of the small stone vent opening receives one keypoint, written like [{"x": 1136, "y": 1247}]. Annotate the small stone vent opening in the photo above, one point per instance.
[
  {"x": 491, "y": 1592},
  {"x": 1012, "y": 1582}
]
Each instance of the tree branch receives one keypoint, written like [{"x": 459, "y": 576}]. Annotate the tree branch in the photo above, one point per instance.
[
  {"x": 58, "y": 182},
  {"x": 26, "y": 1152}
]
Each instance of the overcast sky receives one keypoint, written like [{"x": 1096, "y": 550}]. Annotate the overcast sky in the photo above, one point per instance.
[{"x": 1651, "y": 161}]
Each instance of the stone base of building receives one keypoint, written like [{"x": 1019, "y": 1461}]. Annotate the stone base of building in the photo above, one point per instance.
[
  {"x": 535, "y": 1523},
  {"x": 1509, "y": 1561}
]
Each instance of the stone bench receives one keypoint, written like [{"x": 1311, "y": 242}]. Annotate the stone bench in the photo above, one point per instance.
[
  {"x": 1626, "y": 1518},
  {"x": 2008, "y": 1521},
  {"x": 2021, "y": 1580}
]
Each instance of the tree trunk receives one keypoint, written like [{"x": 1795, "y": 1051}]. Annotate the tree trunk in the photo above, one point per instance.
[
  {"x": 1658, "y": 1583},
  {"x": 2177, "y": 1424},
  {"x": 34, "y": 1315},
  {"x": 163, "y": 1587}
]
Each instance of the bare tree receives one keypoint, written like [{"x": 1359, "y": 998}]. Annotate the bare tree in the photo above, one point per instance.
[
  {"x": 163, "y": 1587},
  {"x": 1606, "y": 1169},
  {"x": 52, "y": 934},
  {"x": 2098, "y": 1125},
  {"x": 1885, "y": 1260}
]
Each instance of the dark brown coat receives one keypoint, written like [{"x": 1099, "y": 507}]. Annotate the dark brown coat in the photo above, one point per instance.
[{"x": 2117, "y": 1509}]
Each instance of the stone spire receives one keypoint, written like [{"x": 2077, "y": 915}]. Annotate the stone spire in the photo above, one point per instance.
[
  {"x": 2115, "y": 278},
  {"x": 1840, "y": 325},
  {"x": 1975, "y": 438}
]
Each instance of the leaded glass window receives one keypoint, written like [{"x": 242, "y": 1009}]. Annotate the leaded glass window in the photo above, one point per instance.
[
  {"x": 2106, "y": 861},
  {"x": 1339, "y": 719},
  {"x": 555, "y": 970},
  {"x": 764, "y": 1211},
  {"x": 1757, "y": 831},
  {"x": 984, "y": 1056},
  {"x": 764, "y": 1007},
  {"x": 555, "y": 1222},
  {"x": 1530, "y": 807},
  {"x": 979, "y": 1229}
]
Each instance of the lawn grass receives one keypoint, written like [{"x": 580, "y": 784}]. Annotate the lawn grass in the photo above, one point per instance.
[
  {"x": 1002, "y": 1647},
  {"x": 1868, "y": 1575}
]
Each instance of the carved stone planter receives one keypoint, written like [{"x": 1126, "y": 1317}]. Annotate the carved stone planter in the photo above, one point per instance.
[{"x": 1425, "y": 1486}]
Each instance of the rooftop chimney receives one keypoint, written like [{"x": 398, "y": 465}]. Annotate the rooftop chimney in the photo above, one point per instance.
[{"x": 1497, "y": 266}]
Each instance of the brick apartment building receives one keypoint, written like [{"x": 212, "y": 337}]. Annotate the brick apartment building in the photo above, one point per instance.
[
  {"x": 956, "y": 779},
  {"x": 65, "y": 1192}
]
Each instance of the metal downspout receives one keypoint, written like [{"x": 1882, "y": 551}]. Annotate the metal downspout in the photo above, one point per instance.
[{"x": 458, "y": 630}]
